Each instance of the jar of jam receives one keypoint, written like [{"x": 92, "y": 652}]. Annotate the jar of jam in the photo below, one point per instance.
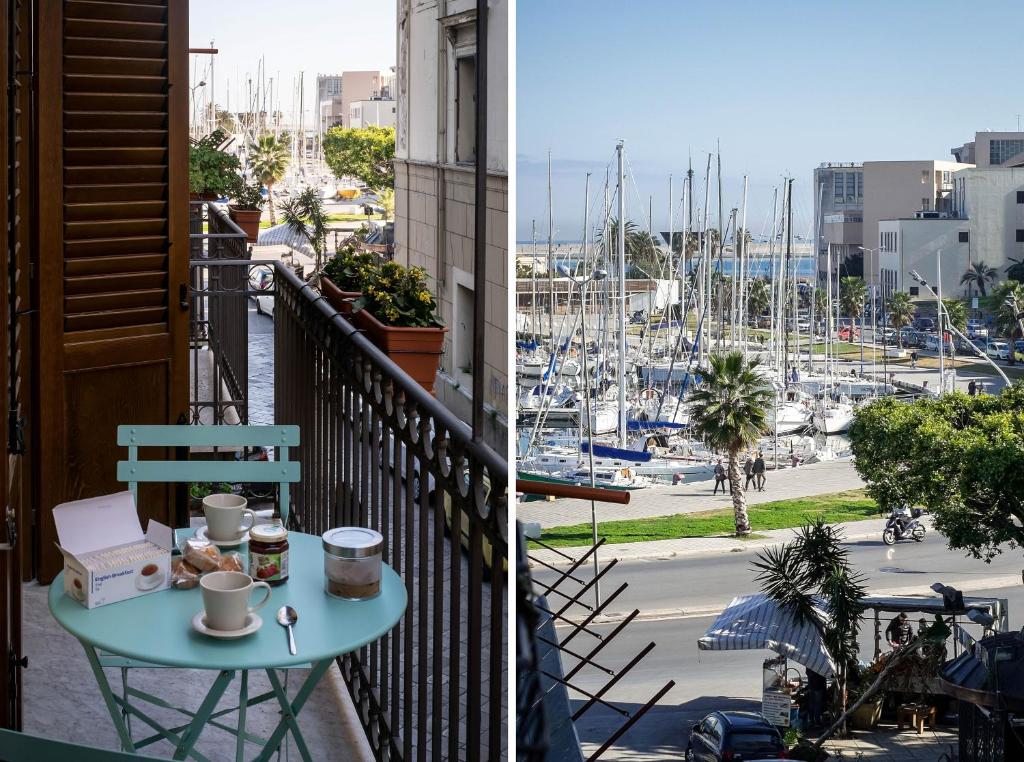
[{"x": 268, "y": 553}]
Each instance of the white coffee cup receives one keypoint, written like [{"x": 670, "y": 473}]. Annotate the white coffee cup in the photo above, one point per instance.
[
  {"x": 226, "y": 597},
  {"x": 224, "y": 514}
]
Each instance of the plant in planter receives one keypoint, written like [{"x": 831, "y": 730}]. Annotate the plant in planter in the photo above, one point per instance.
[
  {"x": 211, "y": 172},
  {"x": 247, "y": 207},
  {"x": 399, "y": 314},
  {"x": 344, "y": 276},
  {"x": 199, "y": 490},
  {"x": 305, "y": 215}
]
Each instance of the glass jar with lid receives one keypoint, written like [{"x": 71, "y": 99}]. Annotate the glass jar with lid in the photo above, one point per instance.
[
  {"x": 352, "y": 562},
  {"x": 268, "y": 553}
]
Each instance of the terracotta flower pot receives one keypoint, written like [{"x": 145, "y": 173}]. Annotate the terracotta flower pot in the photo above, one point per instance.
[
  {"x": 336, "y": 297},
  {"x": 248, "y": 220},
  {"x": 417, "y": 351}
]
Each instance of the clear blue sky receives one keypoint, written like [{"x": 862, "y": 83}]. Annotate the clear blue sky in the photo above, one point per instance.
[
  {"x": 318, "y": 36},
  {"x": 783, "y": 85}
]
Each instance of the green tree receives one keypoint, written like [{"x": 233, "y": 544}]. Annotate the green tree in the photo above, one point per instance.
[
  {"x": 366, "y": 153},
  {"x": 900, "y": 311},
  {"x": 759, "y": 297},
  {"x": 729, "y": 412},
  {"x": 851, "y": 296},
  {"x": 305, "y": 214},
  {"x": 641, "y": 251},
  {"x": 959, "y": 456},
  {"x": 977, "y": 275},
  {"x": 956, "y": 313},
  {"x": 812, "y": 579},
  {"x": 269, "y": 159}
]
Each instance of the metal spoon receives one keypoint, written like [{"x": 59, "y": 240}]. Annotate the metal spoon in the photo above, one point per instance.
[{"x": 286, "y": 617}]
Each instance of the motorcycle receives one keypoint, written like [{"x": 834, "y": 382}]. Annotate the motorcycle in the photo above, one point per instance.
[{"x": 903, "y": 524}]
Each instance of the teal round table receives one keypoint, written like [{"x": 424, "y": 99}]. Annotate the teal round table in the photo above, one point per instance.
[{"x": 155, "y": 630}]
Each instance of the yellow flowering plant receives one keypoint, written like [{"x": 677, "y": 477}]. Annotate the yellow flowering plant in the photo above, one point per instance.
[
  {"x": 351, "y": 269},
  {"x": 399, "y": 297}
]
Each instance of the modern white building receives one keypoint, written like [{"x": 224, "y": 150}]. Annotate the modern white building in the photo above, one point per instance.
[
  {"x": 992, "y": 149},
  {"x": 985, "y": 223},
  {"x": 435, "y": 156},
  {"x": 372, "y": 113}
]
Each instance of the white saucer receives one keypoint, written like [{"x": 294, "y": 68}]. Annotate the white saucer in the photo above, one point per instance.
[
  {"x": 156, "y": 580},
  {"x": 242, "y": 538},
  {"x": 252, "y": 623}
]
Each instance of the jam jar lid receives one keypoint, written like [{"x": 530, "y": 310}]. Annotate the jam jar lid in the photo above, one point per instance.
[
  {"x": 352, "y": 542},
  {"x": 268, "y": 533}
]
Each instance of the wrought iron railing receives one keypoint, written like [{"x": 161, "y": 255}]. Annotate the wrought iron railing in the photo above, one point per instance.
[
  {"x": 219, "y": 330},
  {"x": 379, "y": 451}
]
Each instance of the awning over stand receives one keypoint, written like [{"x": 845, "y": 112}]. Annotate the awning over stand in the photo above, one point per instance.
[{"x": 753, "y": 622}]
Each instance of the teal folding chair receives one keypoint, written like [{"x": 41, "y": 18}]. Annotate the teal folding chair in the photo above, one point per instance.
[
  {"x": 134, "y": 471},
  {"x": 21, "y": 747}
]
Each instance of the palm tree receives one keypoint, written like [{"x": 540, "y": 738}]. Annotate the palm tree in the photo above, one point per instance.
[
  {"x": 811, "y": 576},
  {"x": 1016, "y": 270},
  {"x": 641, "y": 250},
  {"x": 978, "y": 275},
  {"x": 956, "y": 313},
  {"x": 730, "y": 412},
  {"x": 759, "y": 297},
  {"x": 900, "y": 312},
  {"x": 851, "y": 296},
  {"x": 268, "y": 158},
  {"x": 1010, "y": 294},
  {"x": 305, "y": 215}
]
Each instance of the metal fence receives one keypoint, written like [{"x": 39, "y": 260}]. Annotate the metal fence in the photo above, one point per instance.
[{"x": 379, "y": 451}]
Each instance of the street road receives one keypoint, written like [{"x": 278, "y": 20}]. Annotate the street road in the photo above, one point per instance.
[{"x": 731, "y": 680}]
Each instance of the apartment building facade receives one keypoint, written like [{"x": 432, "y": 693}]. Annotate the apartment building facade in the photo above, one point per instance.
[
  {"x": 372, "y": 113},
  {"x": 992, "y": 149},
  {"x": 435, "y": 200},
  {"x": 839, "y": 214}
]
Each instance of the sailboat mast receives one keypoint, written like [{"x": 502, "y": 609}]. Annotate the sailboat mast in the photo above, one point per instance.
[
  {"x": 551, "y": 264},
  {"x": 670, "y": 271},
  {"x": 533, "y": 282},
  {"x": 721, "y": 242},
  {"x": 789, "y": 254},
  {"x": 743, "y": 255},
  {"x": 621, "y": 245},
  {"x": 705, "y": 251}
]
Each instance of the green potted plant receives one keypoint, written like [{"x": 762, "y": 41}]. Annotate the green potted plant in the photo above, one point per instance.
[
  {"x": 399, "y": 314},
  {"x": 199, "y": 490},
  {"x": 211, "y": 172},
  {"x": 246, "y": 207},
  {"x": 344, "y": 276}
]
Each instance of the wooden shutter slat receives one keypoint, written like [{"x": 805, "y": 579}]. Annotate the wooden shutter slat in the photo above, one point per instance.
[
  {"x": 99, "y": 47},
  {"x": 115, "y": 120},
  {"x": 92, "y": 229},
  {"x": 113, "y": 83},
  {"x": 110, "y": 246},
  {"x": 123, "y": 263},
  {"x": 151, "y": 102},
  {"x": 136, "y": 11},
  {"x": 79, "y": 194},
  {"x": 115, "y": 138},
  {"x": 115, "y": 210},
  {"x": 113, "y": 29},
  {"x": 98, "y": 284},
  {"x": 116, "y": 175},
  {"x": 114, "y": 65},
  {"x": 115, "y": 318},
  {"x": 114, "y": 301},
  {"x": 85, "y": 157}
]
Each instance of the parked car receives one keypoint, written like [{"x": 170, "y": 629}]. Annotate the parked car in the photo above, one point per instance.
[
  {"x": 734, "y": 736},
  {"x": 999, "y": 350},
  {"x": 924, "y": 324},
  {"x": 932, "y": 343},
  {"x": 849, "y": 333},
  {"x": 976, "y": 329},
  {"x": 906, "y": 334},
  {"x": 889, "y": 336},
  {"x": 1019, "y": 345}
]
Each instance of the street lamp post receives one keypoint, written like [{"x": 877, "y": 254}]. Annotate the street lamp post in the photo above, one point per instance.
[{"x": 596, "y": 275}]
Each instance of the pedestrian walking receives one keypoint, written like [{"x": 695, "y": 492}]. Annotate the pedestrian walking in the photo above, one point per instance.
[
  {"x": 719, "y": 477},
  {"x": 913, "y": 360},
  {"x": 796, "y": 375},
  {"x": 759, "y": 472},
  {"x": 972, "y": 388},
  {"x": 748, "y": 469}
]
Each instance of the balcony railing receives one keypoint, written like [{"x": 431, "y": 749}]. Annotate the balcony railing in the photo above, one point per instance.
[{"x": 379, "y": 451}]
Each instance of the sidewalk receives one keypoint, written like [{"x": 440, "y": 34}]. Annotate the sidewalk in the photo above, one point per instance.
[
  {"x": 691, "y": 497},
  {"x": 695, "y": 546},
  {"x": 894, "y": 746}
]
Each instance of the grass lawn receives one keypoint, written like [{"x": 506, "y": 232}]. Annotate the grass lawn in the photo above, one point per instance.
[
  {"x": 264, "y": 224},
  {"x": 852, "y": 505}
]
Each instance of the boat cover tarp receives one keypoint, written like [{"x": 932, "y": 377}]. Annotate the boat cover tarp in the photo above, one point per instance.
[
  {"x": 651, "y": 425},
  {"x": 754, "y": 622},
  {"x": 606, "y": 451}
]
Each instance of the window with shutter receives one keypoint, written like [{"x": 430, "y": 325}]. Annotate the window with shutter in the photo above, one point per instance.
[{"x": 115, "y": 109}]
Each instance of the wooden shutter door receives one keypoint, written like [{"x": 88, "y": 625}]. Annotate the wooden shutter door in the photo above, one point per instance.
[{"x": 113, "y": 134}]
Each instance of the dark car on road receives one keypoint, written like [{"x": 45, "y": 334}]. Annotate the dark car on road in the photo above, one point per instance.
[{"x": 734, "y": 736}]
